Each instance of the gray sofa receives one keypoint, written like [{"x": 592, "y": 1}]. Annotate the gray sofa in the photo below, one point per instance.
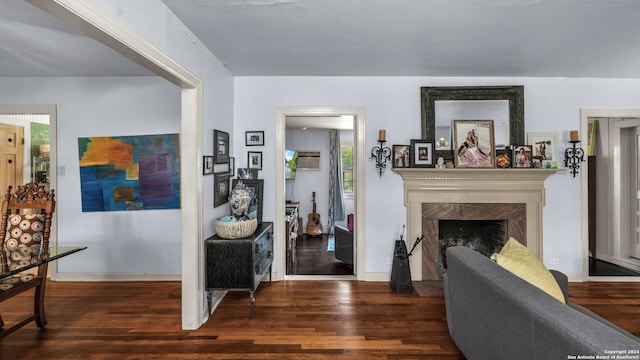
[{"x": 493, "y": 314}]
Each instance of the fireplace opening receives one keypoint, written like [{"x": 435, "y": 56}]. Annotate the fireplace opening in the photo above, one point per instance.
[{"x": 485, "y": 236}]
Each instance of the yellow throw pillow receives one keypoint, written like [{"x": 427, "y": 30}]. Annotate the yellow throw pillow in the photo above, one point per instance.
[{"x": 516, "y": 258}]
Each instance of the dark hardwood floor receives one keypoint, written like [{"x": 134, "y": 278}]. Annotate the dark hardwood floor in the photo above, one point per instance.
[
  {"x": 294, "y": 320},
  {"x": 312, "y": 258},
  {"x": 604, "y": 268}
]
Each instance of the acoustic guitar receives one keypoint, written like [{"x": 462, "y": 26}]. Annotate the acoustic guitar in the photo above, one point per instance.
[{"x": 314, "y": 227}]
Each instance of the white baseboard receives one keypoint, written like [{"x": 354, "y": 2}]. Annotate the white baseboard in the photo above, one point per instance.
[
  {"x": 576, "y": 277},
  {"x": 61, "y": 276},
  {"x": 370, "y": 276}
]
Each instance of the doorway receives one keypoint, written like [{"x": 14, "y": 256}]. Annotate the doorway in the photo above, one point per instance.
[
  {"x": 11, "y": 154},
  {"x": 37, "y": 123},
  {"x": 320, "y": 173},
  {"x": 282, "y": 116},
  {"x": 610, "y": 187}
]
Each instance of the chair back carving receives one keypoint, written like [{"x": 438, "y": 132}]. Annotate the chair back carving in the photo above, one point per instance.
[{"x": 26, "y": 225}]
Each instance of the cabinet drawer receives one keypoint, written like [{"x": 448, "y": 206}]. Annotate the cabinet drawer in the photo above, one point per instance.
[{"x": 230, "y": 265}]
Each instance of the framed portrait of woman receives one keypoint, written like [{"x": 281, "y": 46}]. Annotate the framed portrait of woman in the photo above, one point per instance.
[
  {"x": 523, "y": 156},
  {"x": 474, "y": 143}
]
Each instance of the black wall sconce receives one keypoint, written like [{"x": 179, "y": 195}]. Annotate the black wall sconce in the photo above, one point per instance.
[
  {"x": 574, "y": 155},
  {"x": 381, "y": 153}
]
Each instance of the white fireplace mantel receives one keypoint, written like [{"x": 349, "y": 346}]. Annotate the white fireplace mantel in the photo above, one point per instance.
[{"x": 473, "y": 185}]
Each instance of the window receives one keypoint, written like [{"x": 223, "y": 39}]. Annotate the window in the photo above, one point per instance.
[{"x": 346, "y": 152}]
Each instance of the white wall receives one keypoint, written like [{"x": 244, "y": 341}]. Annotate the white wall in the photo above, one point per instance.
[
  {"x": 160, "y": 27},
  {"x": 307, "y": 181},
  {"x": 393, "y": 103},
  {"x": 135, "y": 242}
]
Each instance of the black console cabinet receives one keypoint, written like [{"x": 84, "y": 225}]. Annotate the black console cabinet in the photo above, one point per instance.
[{"x": 240, "y": 264}]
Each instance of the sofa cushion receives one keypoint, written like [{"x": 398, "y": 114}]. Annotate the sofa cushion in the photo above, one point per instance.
[{"x": 516, "y": 258}]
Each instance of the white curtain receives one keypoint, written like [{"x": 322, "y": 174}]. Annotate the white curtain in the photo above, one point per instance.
[{"x": 336, "y": 191}]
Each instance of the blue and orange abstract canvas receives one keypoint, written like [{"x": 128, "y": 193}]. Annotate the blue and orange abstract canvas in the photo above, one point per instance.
[{"x": 129, "y": 172}]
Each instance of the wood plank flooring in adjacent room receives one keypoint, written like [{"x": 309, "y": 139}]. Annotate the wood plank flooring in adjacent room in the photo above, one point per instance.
[
  {"x": 312, "y": 258},
  {"x": 293, "y": 320}
]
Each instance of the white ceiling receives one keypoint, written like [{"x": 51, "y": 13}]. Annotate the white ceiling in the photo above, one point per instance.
[
  {"x": 537, "y": 38},
  {"x": 33, "y": 43}
]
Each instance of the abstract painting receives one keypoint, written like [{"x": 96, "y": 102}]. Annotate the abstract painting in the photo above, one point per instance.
[{"x": 129, "y": 172}]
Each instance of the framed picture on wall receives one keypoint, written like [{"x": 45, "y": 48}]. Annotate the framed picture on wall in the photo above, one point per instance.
[
  {"x": 254, "y": 138},
  {"x": 220, "y": 147},
  {"x": 254, "y": 160},
  {"x": 207, "y": 165},
  {"x": 220, "y": 189},
  {"x": 232, "y": 166}
]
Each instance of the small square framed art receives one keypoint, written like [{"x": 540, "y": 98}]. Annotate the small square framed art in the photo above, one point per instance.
[{"x": 421, "y": 153}]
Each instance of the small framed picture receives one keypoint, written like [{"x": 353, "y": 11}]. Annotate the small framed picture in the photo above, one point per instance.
[
  {"x": 254, "y": 138},
  {"x": 401, "y": 156},
  {"x": 522, "y": 156},
  {"x": 544, "y": 146},
  {"x": 207, "y": 165},
  {"x": 537, "y": 162},
  {"x": 421, "y": 152},
  {"x": 232, "y": 166},
  {"x": 254, "y": 160},
  {"x": 220, "y": 147},
  {"x": 220, "y": 189},
  {"x": 474, "y": 143},
  {"x": 503, "y": 158},
  {"x": 247, "y": 174}
]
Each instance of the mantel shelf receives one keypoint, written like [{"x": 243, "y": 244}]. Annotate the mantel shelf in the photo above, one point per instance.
[{"x": 475, "y": 173}]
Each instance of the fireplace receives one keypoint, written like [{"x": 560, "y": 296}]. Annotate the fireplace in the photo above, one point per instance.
[
  {"x": 515, "y": 196},
  {"x": 484, "y": 236}
]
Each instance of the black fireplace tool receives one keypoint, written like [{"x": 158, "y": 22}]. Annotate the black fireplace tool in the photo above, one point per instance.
[{"x": 400, "y": 271}]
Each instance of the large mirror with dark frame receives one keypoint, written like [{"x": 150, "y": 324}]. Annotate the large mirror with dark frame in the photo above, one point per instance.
[{"x": 443, "y": 104}]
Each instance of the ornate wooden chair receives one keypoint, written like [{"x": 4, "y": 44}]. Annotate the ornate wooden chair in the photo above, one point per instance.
[{"x": 24, "y": 241}]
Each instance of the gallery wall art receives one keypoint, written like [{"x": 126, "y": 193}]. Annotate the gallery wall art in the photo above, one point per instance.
[{"x": 139, "y": 172}]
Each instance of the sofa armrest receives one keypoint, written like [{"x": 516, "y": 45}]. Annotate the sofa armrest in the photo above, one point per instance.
[
  {"x": 344, "y": 245},
  {"x": 563, "y": 281}
]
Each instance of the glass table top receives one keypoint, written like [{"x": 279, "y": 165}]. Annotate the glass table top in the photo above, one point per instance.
[{"x": 55, "y": 252}]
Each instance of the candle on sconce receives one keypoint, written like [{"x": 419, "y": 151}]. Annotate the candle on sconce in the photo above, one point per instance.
[
  {"x": 382, "y": 134},
  {"x": 573, "y": 135}
]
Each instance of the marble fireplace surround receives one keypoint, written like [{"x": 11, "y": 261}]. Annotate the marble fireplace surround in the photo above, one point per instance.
[{"x": 428, "y": 188}]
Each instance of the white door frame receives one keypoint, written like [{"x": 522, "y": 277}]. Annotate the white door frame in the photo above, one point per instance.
[{"x": 358, "y": 135}]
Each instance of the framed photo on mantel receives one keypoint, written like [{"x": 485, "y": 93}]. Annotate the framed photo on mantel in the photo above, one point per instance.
[
  {"x": 421, "y": 153},
  {"x": 474, "y": 143},
  {"x": 544, "y": 147}
]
